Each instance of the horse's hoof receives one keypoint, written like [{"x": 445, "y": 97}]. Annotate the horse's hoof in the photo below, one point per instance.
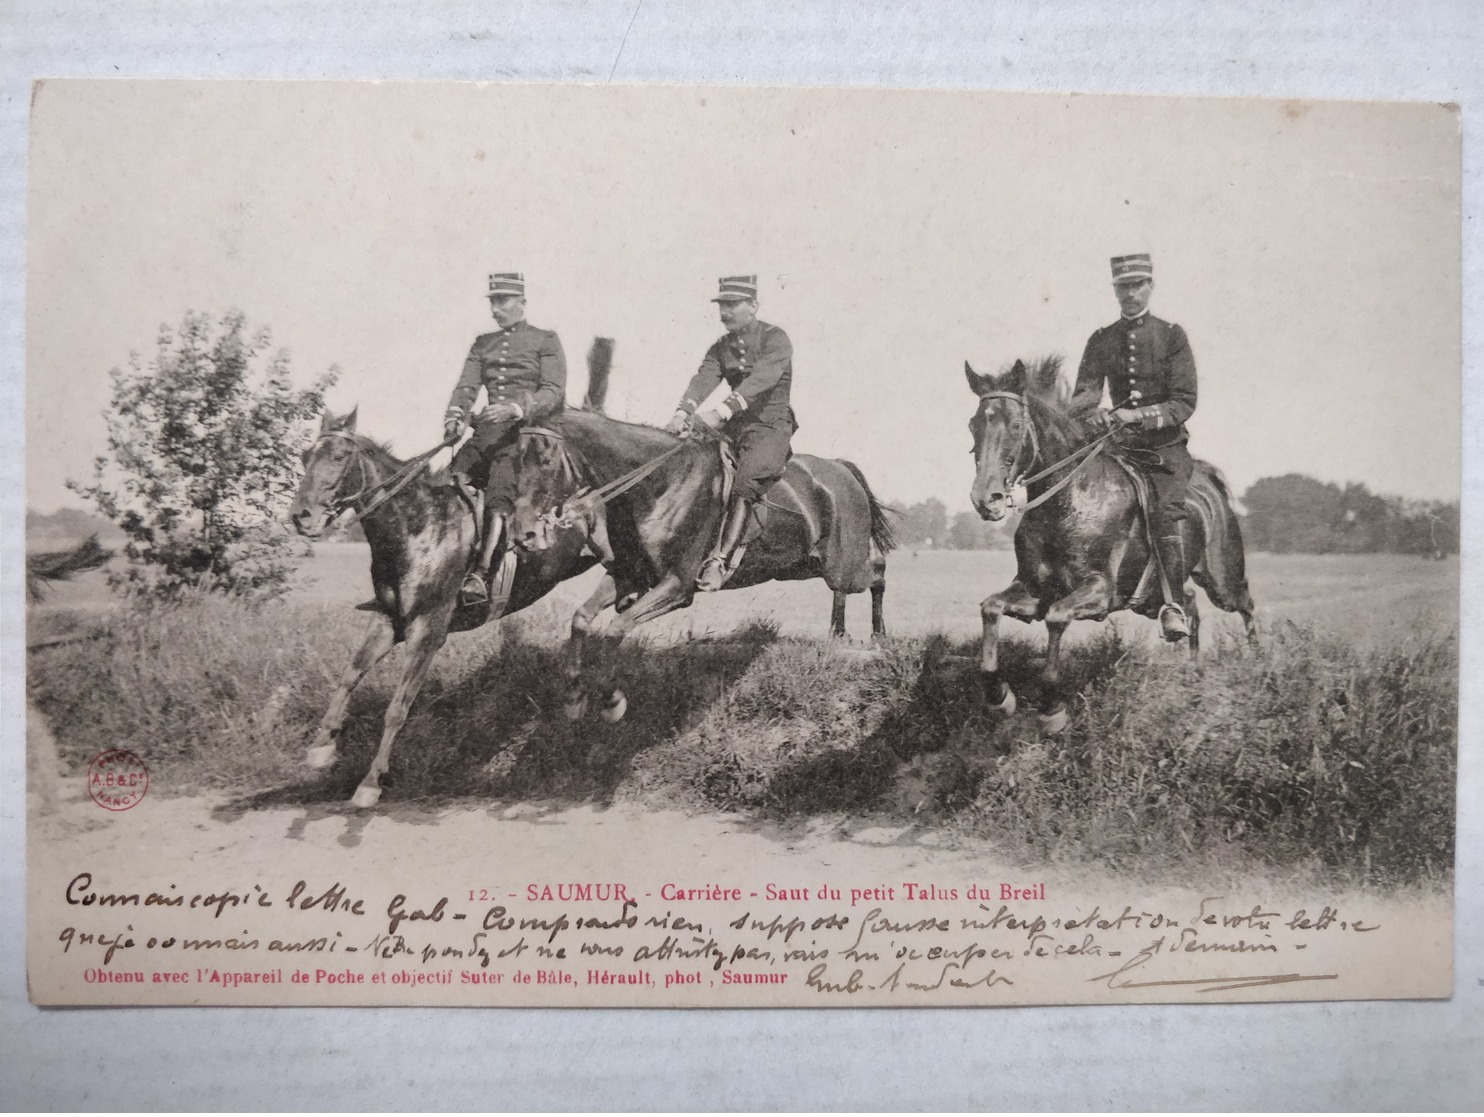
[
  {"x": 1054, "y": 722},
  {"x": 1007, "y": 704},
  {"x": 365, "y": 797},
  {"x": 614, "y": 709},
  {"x": 575, "y": 708},
  {"x": 321, "y": 756}
]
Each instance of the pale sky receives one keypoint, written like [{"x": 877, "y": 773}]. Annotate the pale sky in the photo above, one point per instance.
[{"x": 1311, "y": 251}]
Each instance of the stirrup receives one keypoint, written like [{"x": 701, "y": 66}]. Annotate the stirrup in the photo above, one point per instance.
[
  {"x": 473, "y": 591},
  {"x": 1173, "y": 622},
  {"x": 500, "y": 582},
  {"x": 714, "y": 574}
]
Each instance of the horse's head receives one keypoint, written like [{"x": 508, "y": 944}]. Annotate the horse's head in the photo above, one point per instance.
[
  {"x": 1004, "y": 438},
  {"x": 328, "y": 475},
  {"x": 544, "y": 481}
]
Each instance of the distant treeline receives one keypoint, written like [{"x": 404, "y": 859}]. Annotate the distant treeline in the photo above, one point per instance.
[
  {"x": 928, "y": 525},
  {"x": 1297, "y": 514},
  {"x": 69, "y": 526},
  {"x": 1292, "y": 514}
]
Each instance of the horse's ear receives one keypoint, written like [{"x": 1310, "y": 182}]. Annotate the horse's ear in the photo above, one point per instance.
[
  {"x": 326, "y": 422},
  {"x": 978, "y": 384},
  {"x": 1015, "y": 379},
  {"x": 348, "y": 424}
]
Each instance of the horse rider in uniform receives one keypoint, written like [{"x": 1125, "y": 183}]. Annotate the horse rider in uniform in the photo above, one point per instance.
[
  {"x": 756, "y": 361},
  {"x": 1150, "y": 372},
  {"x": 524, "y": 375}
]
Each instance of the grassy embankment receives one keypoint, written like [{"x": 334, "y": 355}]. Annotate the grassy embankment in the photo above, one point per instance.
[{"x": 1302, "y": 755}]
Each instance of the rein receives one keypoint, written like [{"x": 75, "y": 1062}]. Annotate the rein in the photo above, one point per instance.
[
  {"x": 1081, "y": 456},
  {"x": 583, "y": 502},
  {"x": 385, "y": 489}
]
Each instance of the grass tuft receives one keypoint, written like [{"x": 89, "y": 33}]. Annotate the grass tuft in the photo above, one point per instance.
[{"x": 1301, "y": 754}]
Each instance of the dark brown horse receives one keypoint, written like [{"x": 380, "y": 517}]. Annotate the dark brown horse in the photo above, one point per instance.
[
  {"x": 1084, "y": 552},
  {"x": 820, "y": 520},
  {"x": 421, "y": 543}
]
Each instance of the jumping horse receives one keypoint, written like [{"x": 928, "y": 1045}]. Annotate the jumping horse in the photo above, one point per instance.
[
  {"x": 650, "y": 503},
  {"x": 422, "y": 537},
  {"x": 1082, "y": 548}
]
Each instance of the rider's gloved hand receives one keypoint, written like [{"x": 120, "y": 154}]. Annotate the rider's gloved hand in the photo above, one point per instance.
[
  {"x": 713, "y": 419},
  {"x": 678, "y": 422},
  {"x": 501, "y": 412},
  {"x": 1098, "y": 421},
  {"x": 453, "y": 428},
  {"x": 1128, "y": 417}
]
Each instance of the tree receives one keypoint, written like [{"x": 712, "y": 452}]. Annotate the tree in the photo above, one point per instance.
[
  {"x": 203, "y": 458},
  {"x": 1292, "y": 513},
  {"x": 924, "y": 525},
  {"x": 967, "y": 532}
]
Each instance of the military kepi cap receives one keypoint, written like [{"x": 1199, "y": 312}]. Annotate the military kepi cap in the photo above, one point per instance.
[
  {"x": 504, "y": 283},
  {"x": 736, "y": 288},
  {"x": 1131, "y": 268}
]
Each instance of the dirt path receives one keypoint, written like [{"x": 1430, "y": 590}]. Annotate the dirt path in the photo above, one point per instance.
[
  {"x": 328, "y": 881},
  {"x": 188, "y": 836}
]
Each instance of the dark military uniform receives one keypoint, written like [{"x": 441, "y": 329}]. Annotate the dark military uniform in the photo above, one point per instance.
[
  {"x": 1148, "y": 367},
  {"x": 757, "y": 363},
  {"x": 520, "y": 365}
]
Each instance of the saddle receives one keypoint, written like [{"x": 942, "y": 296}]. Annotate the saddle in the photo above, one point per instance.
[
  {"x": 1153, "y": 576},
  {"x": 728, "y": 470},
  {"x": 728, "y": 482}
]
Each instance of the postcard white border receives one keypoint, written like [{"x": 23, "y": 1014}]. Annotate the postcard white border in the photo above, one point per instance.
[{"x": 1365, "y": 1055}]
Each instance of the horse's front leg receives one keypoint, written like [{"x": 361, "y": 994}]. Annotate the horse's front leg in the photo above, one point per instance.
[
  {"x": 1016, "y": 601},
  {"x": 378, "y": 641},
  {"x": 837, "y": 615},
  {"x": 671, "y": 593},
  {"x": 1090, "y": 601},
  {"x": 424, "y": 638},
  {"x": 603, "y": 596}
]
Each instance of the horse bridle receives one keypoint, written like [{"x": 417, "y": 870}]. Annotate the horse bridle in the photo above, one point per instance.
[
  {"x": 336, "y": 505},
  {"x": 385, "y": 489},
  {"x": 1027, "y": 430},
  {"x": 1078, "y": 459}
]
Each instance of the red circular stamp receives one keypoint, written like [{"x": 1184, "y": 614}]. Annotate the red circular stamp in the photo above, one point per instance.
[{"x": 117, "y": 779}]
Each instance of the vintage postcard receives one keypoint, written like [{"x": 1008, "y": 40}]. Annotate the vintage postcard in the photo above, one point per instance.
[{"x": 663, "y": 546}]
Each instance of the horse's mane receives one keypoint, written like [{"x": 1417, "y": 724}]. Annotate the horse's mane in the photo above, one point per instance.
[
  {"x": 366, "y": 442},
  {"x": 603, "y": 447},
  {"x": 1057, "y": 417}
]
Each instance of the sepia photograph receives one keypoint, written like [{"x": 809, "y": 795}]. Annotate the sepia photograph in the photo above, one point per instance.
[{"x": 703, "y": 546}]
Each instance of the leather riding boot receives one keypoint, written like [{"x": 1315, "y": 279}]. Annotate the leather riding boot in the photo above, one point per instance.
[
  {"x": 1172, "y": 619},
  {"x": 724, "y": 560},
  {"x": 476, "y": 583},
  {"x": 472, "y": 495}
]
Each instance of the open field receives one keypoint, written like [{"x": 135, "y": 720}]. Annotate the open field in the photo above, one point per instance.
[
  {"x": 1329, "y": 750},
  {"x": 1362, "y": 598}
]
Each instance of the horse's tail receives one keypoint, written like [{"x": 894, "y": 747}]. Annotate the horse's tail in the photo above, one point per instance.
[
  {"x": 1222, "y": 570},
  {"x": 599, "y": 365},
  {"x": 58, "y": 566},
  {"x": 882, "y": 534}
]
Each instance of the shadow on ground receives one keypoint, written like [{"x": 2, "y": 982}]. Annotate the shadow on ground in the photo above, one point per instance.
[{"x": 499, "y": 735}]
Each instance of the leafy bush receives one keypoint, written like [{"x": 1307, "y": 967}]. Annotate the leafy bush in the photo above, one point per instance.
[{"x": 203, "y": 458}]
